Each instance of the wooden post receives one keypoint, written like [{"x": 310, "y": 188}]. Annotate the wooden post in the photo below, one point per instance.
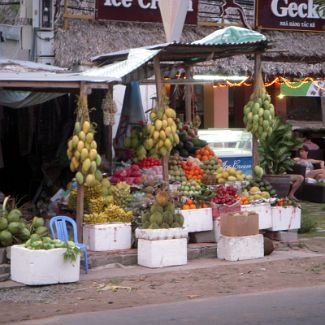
[
  {"x": 257, "y": 68},
  {"x": 159, "y": 86},
  {"x": 65, "y": 12},
  {"x": 81, "y": 188},
  {"x": 80, "y": 210},
  {"x": 108, "y": 131},
  {"x": 322, "y": 105},
  {"x": 188, "y": 97}
]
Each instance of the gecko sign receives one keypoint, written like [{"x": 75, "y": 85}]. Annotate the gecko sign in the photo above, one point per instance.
[{"x": 300, "y": 15}]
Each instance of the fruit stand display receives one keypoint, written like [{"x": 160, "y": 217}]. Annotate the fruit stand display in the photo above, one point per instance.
[
  {"x": 15, "y": 229},
  {"x": 286, "y": 215},
  {"x": 45, "y": 261},
  {"x": 162, "y": 240}
]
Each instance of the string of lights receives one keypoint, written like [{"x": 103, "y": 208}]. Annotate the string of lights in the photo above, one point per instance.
[{"x": 278, "y": 80}]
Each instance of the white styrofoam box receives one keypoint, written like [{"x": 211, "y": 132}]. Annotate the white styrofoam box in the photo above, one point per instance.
[
  {"x": 161, "y": 253},
  {"x": 197, "y": 219},
  {"x": 286, "y": 218},
  {"x": 264, "y": 213},
  {"x": 107, "y": 236},
  {"x": 240, "y": 248},
  {"x": 160, "y": 234},
  {"x": 216, "y": 229},
  {"x": 38, "y": 267}
]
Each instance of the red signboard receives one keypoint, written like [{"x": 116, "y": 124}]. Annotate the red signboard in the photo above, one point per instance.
[
  {"x": 138, "y": 10},
  {"x": 299, "y": 15}
]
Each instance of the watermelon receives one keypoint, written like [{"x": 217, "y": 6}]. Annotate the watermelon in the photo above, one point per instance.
[
  {"x": 3, "y": 223},
  {"x": 6, "y": 238},
  {"x": 14, "y": 215}
]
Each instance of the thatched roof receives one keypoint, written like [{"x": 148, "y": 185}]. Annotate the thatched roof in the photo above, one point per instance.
[
  {"x": 292, "y": 53},
  {"x": 242, "y": 65},
  {"x": 84, "y": 39}
]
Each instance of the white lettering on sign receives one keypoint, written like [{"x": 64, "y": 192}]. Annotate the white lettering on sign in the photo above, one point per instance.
[
  {"x": 144, "y": 4},
  {"x": 236, "y": 164},
  {"x": 282, "y": 8}
]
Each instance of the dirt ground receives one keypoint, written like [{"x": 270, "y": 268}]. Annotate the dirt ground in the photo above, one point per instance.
[{"x": 25, "y": 303}]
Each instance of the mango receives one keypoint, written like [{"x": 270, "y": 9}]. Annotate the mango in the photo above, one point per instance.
[
  {"x": 158, "y": 125},
  {"x": 86, "y": 165},
  {"x": 86, "y": 126},
  {"x": 90, "y": 137}
]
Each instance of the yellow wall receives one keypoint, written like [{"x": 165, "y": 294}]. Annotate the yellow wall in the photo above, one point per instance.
[{"x": 216, "y": 107}]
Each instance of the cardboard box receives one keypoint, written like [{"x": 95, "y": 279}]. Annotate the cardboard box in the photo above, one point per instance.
[
  {"x": 196, "y": 220},
  {"x": 218, "y": 210},
  {"x": 234, "y": 224}
]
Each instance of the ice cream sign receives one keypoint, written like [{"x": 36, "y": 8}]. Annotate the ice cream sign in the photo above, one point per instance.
[
  {"x": 300, "y": 15},
  {"x": 139, "y": 10}
]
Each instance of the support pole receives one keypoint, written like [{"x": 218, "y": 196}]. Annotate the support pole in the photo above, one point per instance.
[
  {"x": 65, "y": 12},
  {"x": 159, "y": 86},
  {"x": 188, "y": 96},
  {"x": 257, "y": 68},
  {"x": 81, "y": 188},
  {"x": 108, "y": 131}
]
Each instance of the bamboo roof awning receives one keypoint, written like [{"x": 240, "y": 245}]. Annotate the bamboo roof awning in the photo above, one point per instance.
[{"x": 222, "y": 43}]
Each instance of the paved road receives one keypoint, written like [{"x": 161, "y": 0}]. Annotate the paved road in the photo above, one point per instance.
[{"x": 287, "y": 307}]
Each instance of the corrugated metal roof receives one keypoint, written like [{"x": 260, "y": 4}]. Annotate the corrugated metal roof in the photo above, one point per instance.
[
  {"x": 222, "y": 43},
  {"x": 136, "y": 58}
]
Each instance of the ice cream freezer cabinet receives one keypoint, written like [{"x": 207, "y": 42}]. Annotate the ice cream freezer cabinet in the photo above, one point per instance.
[{"x": 232, "y": 146}]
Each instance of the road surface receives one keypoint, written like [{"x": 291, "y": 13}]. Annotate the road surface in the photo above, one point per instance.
[{"x": 287, "y": 307}]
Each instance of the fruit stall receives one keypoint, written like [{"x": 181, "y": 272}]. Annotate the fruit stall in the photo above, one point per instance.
[{"x": 172, "y": 184}]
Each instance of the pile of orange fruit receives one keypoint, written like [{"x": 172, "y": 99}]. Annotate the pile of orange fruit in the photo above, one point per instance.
[
  {"x": 192, "y": 171},
  {"x": 204, "y": 153},
  {"x": 190, "y": 204},
  {"x": 244, "y": 200}
]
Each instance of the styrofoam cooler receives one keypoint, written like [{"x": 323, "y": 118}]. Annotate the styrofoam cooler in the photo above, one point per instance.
[
  {"x": 162, "y": 253},
  {"x": 264, "y": 213},
  {"x": 107, "y": 237},
  {"x": 216, "y": 229},
  {"x": 40, "y": 267},
  {"x": 162, "y": 247},
  {"x": 240, "y": 248},
  {"x": 285, "y": 218},
  {"x": 197, "y": 219}
]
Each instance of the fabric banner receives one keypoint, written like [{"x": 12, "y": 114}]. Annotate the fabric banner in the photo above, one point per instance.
[
  {"x": 309, "y": 89},
  {"x": 19, "y": 99}
]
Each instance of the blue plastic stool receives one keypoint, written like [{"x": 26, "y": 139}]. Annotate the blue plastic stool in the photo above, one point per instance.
[{"x": 59, "y": 230}]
